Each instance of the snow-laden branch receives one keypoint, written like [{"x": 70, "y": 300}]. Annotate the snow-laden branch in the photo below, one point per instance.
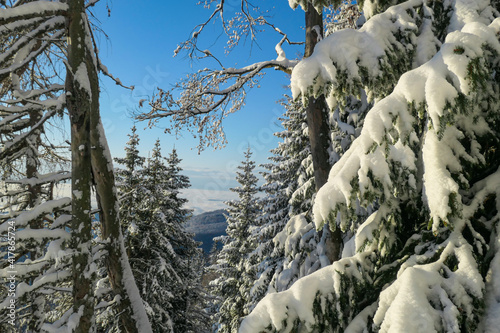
[
  {"x": 318, "y": 4},
  {"x": 42, "y": 179},
  {"x": 48, "y": 278},
  {"x": 425, "y": 158},
  {"x": 365, "y": 56},
  {"x": 46, "y": 208},
  {"x": 212, "y": 81},
  {"x": 51, "y": 25},
  {"x": 426, "y": 85},
  {"x": 25, "y": 109},
  {"x": 34, "y": 95},
  {"x": 244, "y": 23},
  {"x": 32, "y": 10},
  {"x": 403, "y": 35},
  {"x": 30, "y": 24},
  {"x": 12, "y": 123},
  {"x": 10, "y": 147},
  {"x": 104, "y": 70},
  {"x": 192, "y": 41}
]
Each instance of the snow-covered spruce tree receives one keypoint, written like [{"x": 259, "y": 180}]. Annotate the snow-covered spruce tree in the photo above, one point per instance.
[
  {"x": 290, "y": 247},
  {"x": 182, "y": 284},
  {"x": 427, "y": 165},
  {"x": 289, "y": 189},
  {"x": 162, "y": 255},
  {"x": 131, "y": 188},
  {"x": 131, "y": 192},
  {"x": 293, "y": 248},
  {"x": 234, "y": 267}
]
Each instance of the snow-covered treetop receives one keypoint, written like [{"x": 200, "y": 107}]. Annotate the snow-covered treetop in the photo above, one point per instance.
[
  {"x": 318, "y": 4},
  {"x": 403, "y": 35}
]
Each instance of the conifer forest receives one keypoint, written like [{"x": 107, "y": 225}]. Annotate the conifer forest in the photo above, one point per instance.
[{"x": 378, "y": 210}]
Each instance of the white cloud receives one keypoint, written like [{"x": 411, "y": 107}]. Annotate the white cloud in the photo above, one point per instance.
[
  {"x": 199, "y": 200},
  {"x": 207, "y": 200}
]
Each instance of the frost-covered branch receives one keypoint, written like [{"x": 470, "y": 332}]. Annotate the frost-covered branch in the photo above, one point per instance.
[
  {"x": 104, "y": 70},
  {"x": 42, "y": 179},
  {"x": 30, "y": 38},
  {"x": 243, "y": 24},
  {"x": 207, "y": 97},
  {"x": 14, "y": 146},
  {"x": 202, "y": 100}
]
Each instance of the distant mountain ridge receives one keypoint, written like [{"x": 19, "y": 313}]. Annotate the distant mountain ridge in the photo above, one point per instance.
[{"x": 206, "y": 226}]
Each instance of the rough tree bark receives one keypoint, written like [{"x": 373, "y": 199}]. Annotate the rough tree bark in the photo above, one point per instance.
[
  {"x": 319, "y": 132},
  {"x": 78, "y": 99},
  {"x": 110, "y": 226},
  {"x": 34, "y": 196},
  {"x": 92, "y": 164}
]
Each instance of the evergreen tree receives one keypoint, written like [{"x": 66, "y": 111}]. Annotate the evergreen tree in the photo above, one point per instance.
[
  {"x": 164, "y": 258},
  {"x": 280, "y": 257},
  {"x": 293, "y": 248},
  {"x": 131, "y": 192},
  {"x": 424, "y": 170},
  {"x": 131, "y": 188},
  {"x": 187, "y": 297},
  {"x": 235, "y": 269}
]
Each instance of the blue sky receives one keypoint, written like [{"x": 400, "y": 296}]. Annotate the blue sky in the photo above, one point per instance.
[{"x": 142, "y": 38}]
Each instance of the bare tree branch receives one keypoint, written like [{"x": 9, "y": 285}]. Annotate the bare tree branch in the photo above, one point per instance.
[
  {"x": 91, "y": 3},
  {"x": 202, "y": 100},
  {"x": 206, "y": 98}
]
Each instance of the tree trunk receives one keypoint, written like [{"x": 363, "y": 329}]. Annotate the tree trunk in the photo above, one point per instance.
[
  {"x": 91, "y": 162},
  {"x": 133, "y": 316},
  {"x": 317, "y": 120},
  {"x": 34, "y": 198},
  {"x": 119, "y": 271},
  {"x": 78, "y": 104},
  {"x": 319, "y": 131}
]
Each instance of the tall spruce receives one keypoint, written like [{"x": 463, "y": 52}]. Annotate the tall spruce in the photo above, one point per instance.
[
  {"x": 235, "y": 269},
  {"x": 166, "y": 183},
  {"x": 131, "y": 188},
  {"x": 424, "y": 170},
  {"x": 286, "y": 252},
  {"x": 164, "y": 258},
  {"x": 290, "y": 247}
]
